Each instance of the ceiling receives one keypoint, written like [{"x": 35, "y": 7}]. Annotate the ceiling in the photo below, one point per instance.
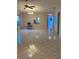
[{"x": 40, "y": 5}]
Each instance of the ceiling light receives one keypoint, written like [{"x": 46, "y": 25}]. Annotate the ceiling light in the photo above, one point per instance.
[
  {"x": 32, "y": 46},
  {"x": 30, "y": 55},
  {"x": 49, "y": 37},
  {"x": 28, "y": 9},
  {"x": 30, "y": 13}
]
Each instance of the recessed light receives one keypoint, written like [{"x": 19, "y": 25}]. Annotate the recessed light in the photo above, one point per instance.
[
  {"x": 49, "y": 37},
  {"x": 30, "y": 55}
]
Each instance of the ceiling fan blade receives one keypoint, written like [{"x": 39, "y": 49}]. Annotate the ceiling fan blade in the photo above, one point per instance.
[
  {"x": 32, "y": 6},
  {"x": 26, "y": 0},
  {"x": 26, "y": 6}
]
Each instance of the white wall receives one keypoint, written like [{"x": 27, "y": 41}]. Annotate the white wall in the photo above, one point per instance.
[{"x": 43, "y": 20}]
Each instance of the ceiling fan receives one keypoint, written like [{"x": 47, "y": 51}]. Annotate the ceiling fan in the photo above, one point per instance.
[{"x": 28, "y": 6}]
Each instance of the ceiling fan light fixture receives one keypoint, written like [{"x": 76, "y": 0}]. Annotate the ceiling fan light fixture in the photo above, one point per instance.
[
  {"x": 28, "y": 6},
  {"x": 29, "y": 10},
  {"x": 31, "y": 13}
]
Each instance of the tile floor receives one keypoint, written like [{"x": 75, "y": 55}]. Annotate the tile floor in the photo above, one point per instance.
[{"x": 35, "y": 44}]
